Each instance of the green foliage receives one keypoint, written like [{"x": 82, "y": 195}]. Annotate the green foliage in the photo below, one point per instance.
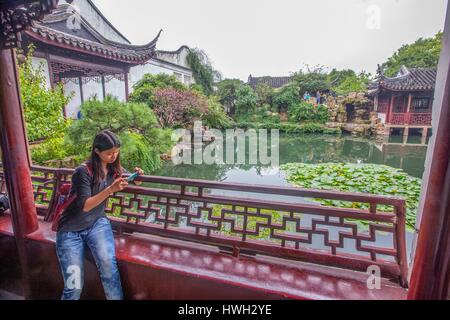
[
  {"x": 313, "y": 81},
  {"x": 363, "y": 178},
  {"x": 43, "y": 108},
  {"x": 202, "y": 70},
  {"x": 306, "y": 112},
  {"x": 226, "y": 92},
  {"x": 137, "y": 151},
  {"x": 286, "y": 97},
  {"x": 216, "y": 117},
  {"x": 176, "y": 108},
  {"x": 289, "y": 127},
  {"x": 135, "y": 123},
  {"x": 53, "y": 148},
  {"x": 337, "y": 77},
  {"x": 264, "y": 94},
  {"x": 344, "y": 82},
  {"x": 422, "y": 53},
  {"x": 143, "y": 90},
  {"x": 245, "y": 100}
]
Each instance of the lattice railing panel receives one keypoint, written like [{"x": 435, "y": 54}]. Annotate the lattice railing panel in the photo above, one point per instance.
[{"x": 202, "y": 211}]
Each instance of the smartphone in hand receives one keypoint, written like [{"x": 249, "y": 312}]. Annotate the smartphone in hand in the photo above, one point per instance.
[{"x": 132, "y": 177}]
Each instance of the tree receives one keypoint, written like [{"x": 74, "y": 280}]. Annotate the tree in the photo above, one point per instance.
[
  {"x": 337, "y": 77},
  {"x": 312, "y": 81},
  {"x": 226, "y": 92},
  {"x": 43, "y": 108},
  {"x": 246, "y": 100},
  {"x": 265, "y": 93},
  {"x": 143, "y": 89},
  {"x": 422, "y": 53},
  {"x": 352, "y": 83},
  {"x": 202, "y": 70},
  {"x": 176, "y": 108},
  {"x": 286, "y": 97}
]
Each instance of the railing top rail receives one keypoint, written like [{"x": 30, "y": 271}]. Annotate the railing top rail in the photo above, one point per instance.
[{"x": 265, "y": 189}]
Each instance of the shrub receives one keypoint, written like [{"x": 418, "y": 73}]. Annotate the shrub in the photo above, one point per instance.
[
  {"x": 216, "y": 117},
  {"x": 306, "y": 112},
  {"x": 143, "y": 90},
  {"x": 176, "y": 108}
]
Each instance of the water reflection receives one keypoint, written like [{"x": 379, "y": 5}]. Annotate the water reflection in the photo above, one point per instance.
[{"x": 396, "y": 151}]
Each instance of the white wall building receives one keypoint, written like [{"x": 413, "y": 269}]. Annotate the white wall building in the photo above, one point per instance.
[{"x": 77, "y": 46}]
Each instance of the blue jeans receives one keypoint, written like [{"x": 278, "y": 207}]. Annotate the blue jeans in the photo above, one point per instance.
[{"x": 70, "y": 250}]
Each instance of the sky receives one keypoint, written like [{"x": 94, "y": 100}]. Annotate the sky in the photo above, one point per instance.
[{"x": 279, "y": 37}]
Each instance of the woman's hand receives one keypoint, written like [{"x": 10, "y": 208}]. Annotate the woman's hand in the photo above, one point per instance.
[
  {"x": 141, "y": 172},
  {"x": 118, "y": 185}
]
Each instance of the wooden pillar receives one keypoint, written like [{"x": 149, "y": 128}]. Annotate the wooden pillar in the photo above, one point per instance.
[
  {"x": 406, "y": 131},
  {"x": 408, "y": 110},
  {"x": 408, "y": 106},
  {"x": 103, "y": 87},
  {"x": 430, "y": 274},
  {"x": 390, "y": 109},
  {"x": 80, "y": 80},
  {"x": 50, "y": 70},
  {"x": 405, "y": 136},
  {"x": 16, "y": 160},
  {"x": 64, "y": 107},
  {"x": 126, "y": 86}
]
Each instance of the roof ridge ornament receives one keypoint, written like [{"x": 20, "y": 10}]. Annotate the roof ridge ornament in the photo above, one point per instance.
[{"x": 17, "y": 16}]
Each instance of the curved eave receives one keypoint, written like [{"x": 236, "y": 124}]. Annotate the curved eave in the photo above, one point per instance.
[
  {"x": 129, "y": 54},
  {"x": 394, "y": 89}
]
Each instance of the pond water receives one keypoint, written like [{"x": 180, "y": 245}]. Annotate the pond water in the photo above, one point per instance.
[
  {"x": 396, "y": 151},
  {"x": 312, "y": 148}
]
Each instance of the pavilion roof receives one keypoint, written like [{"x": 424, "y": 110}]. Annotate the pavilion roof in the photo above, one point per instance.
[
  {"x": 54, "y": 31},
  {"x": 408, "y": 79}
]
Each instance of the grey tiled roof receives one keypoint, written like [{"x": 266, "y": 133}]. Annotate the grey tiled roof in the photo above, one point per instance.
[
  {"x": 274, "y": 82},
  {"x": 410, "y": 79}
]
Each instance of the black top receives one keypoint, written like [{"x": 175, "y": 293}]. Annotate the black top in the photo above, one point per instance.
[{"x": 74, "y": 218}]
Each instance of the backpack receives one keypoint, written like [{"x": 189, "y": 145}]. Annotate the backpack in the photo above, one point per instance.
[
  {"x": 64, "y": 200},
  {"x": 4, "y": 203}
]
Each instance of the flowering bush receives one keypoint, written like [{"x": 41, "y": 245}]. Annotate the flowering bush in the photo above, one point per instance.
[{"x": 176, "y": 108}]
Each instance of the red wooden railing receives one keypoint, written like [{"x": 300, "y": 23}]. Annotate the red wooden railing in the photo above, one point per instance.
[
  {"x": 407, "y": 118},
  {"x": 202, "y": 211}
]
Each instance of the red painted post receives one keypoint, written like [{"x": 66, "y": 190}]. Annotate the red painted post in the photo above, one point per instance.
[
  {"x": 15, "y": 157},
  {"x": 14, "y": 143},
  {"x": 430, "y": 273},
  {"x": 389, "y": 110}
]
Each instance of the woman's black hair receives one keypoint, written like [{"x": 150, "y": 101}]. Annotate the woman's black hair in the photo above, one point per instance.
[{"x": 104, "y": 140}]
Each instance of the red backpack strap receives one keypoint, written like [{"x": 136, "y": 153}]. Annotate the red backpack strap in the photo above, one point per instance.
[{"x": 89, "y": 168}]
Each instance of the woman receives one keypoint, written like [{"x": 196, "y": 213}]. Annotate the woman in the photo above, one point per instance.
[{"x": 84, "y": 222}]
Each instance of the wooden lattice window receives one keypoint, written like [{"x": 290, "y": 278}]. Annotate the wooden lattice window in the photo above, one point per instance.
[
  {"x": 400, "y": 104},
  {"x": 421, "y": 104}
]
